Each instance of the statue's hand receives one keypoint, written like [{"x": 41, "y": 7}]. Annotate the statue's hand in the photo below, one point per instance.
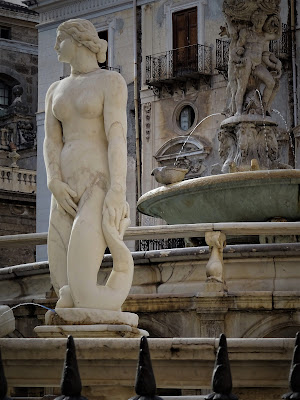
[
  {"x": 116, "y": 207},
  {"x": 64, "y": 196}
]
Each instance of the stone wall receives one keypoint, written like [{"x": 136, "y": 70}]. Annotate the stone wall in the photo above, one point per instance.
[
  {"x": 17, "y": 215},
  {"x": 18, "y": 66}
]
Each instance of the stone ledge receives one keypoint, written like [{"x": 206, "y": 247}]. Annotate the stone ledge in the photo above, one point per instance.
[{"x": 178, "y": 363}]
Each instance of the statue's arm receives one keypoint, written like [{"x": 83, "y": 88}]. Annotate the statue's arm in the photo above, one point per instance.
[
  {"x": 115, "y": 123},
  {"x": 53, "y": 145},
  {"x": 53, "y": 142}
]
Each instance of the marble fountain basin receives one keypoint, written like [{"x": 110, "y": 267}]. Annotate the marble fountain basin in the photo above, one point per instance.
[{"x": 235, "y": 197}]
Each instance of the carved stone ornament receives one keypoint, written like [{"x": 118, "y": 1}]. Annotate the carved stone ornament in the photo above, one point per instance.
[
  {"x": 248, "y": 136},
  {"x": 147, "y": 119},
  {"x": 251, "y": 25},
  {"x": 215, "y": 266},
  {"x": 184, "y": 154},
  {"x": 250, "y": 145}
]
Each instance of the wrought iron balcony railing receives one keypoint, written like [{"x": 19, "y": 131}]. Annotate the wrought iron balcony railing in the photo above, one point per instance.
[
  {"x": 280, "y": 47},
  {"x": 178, "y": 64}
]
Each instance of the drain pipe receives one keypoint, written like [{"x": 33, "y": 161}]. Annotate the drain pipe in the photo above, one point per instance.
[
  {"x": 293, "y": 40},
  {"x": 136, "y": 104}
]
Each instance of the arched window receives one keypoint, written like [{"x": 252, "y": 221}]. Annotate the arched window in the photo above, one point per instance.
[{"x": 5, "y": 94}]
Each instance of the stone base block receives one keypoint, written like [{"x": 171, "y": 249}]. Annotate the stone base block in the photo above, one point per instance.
[
  {"x": 90, "y": 316},
  {"x": 90, "y": 331},
  {"x": 215, "y": 287},
  {"x": 90, "y": 323}
]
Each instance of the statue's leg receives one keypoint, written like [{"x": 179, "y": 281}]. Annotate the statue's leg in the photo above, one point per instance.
[
  {"x": 60, "y": 226},
  {"x": 262, "y": 73},
  {"x": 243, "y": 75},
  {"x": 86, "y": 249}
]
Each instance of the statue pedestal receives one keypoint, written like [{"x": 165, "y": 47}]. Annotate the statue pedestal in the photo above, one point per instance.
[{"x": 90, "y": 323}]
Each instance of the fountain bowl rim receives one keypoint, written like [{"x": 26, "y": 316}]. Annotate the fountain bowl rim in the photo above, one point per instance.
[{"x": 217, "y": 180}]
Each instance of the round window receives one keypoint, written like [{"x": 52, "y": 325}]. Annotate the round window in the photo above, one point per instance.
[{"x": 186, "y": 118}]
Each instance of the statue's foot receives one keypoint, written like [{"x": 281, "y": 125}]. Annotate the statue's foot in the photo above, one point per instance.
[{"x": 65, "y": 298}]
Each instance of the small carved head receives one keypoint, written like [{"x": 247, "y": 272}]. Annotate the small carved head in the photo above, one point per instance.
[
  {"x": 268, "y": 141},
  {"x": 245, "y": 134},
  {"x": 227, "y": 143},
  {"x": 272, "y": 24},
  {"x": 258, "y": 19}
]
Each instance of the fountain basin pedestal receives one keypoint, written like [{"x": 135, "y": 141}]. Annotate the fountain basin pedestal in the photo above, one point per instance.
[
  {"x": 254, "y": 196},
  {"x": 90, "y": 323}
]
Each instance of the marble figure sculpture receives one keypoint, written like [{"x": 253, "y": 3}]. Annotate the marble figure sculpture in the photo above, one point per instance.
[
  {"x": 85, "y": 154},
  {"x": 248, "y": 136}
]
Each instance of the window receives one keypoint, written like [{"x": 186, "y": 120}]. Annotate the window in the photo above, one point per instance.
[
  {"x": 185, "y": 40},
  {"x": 186, "y": 118},
  {"x": 4, "y": 32},
  {"x": 104, "y": 35},
  {"x": 5, "y": 94}
]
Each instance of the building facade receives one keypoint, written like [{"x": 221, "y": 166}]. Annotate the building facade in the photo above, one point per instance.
[
  {"x": 18, "y": 98},
  {"x": 181, "y": 68}
]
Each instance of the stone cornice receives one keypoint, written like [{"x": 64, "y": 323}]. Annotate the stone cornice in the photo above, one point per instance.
[
  {"x": 20, "y": 15},
  {"x": 52, "y": 12},
  {"x": 19, "y": 47}
]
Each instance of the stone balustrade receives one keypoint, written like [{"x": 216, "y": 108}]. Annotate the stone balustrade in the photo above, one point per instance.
[
  {"x": 17, "y": 180},
  {"x": 214, "y": 233}
]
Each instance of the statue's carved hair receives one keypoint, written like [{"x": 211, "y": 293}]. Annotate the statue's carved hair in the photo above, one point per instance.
[{"x": 84, "y": 32}]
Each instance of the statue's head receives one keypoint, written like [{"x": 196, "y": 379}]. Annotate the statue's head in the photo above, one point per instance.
[
  {"x": 83, "y": 32},
  {"x": 272, "y": 24},
  {"x": 245, "y": 134},
  {"x": 226, "y": 143},
  {"x": 258, "y": 19},
  {"x": 268, "y": 142}
]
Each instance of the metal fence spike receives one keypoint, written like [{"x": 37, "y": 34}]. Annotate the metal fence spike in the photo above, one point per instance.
[
  {"x": 294, "y": 376},
  {"x": 3, "y": 382},
  {"x": 145, "y": 385},
  {"x": 221, "y": 378},
  {"x": 70, "y": 381}
]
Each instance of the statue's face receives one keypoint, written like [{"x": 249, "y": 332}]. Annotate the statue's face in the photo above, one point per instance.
[
  {"x": 64, "y": 46},
  {"x": 271, "y": 142},
  {"x": 258, "y": 19}
]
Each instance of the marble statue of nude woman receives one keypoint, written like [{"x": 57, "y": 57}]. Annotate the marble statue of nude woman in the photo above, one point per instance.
[{"x": 85, "y": 154}]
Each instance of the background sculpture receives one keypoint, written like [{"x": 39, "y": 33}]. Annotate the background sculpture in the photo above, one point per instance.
[
  {"x": 253, "y": 81},
  {"x": 86, "y": 159}
]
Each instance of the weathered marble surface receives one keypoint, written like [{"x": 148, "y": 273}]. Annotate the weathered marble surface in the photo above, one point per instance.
[
  {"x": 83, "y": 316},
  {"x": 85, "y": 156},
  {"x": 90, "y": 331}
]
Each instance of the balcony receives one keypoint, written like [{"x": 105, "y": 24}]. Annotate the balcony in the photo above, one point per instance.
[
  {"x": 18, "y": 180},
  {"x": 180, "y": 64}
]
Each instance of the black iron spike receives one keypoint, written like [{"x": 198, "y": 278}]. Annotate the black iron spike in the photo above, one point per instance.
[
  {"x": 3, "y": 382},
  {"x": 145, "y": 385},
  {"x": 221, "y": 377},
  {"x": 70, "y": 381},
  {"x": 294, "y": 375}
]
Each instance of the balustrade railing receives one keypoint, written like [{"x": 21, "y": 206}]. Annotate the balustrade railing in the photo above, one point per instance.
[
  {"x": 17, "y": 180},
  {"x": 214, "y": 233},
  {"x": 184, "y": 62}
]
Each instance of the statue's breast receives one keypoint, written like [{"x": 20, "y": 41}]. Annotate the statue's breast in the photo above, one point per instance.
[{"x": 77, "y": 100}]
